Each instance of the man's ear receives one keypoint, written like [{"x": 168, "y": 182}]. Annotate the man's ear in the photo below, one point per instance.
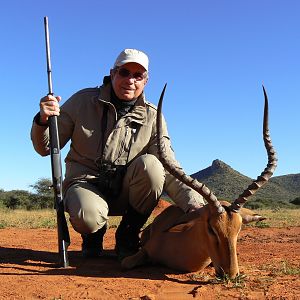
[
  {"x": 146, "y": 80},
  {"x": 112, "y": 73}
]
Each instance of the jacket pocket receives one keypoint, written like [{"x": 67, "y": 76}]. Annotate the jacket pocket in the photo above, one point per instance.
[
  {"x": 127, "y": 143},
  {"x": 124, "y": 141}
]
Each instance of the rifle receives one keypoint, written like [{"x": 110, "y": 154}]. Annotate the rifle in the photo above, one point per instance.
[{"x": 62, "y": 227}]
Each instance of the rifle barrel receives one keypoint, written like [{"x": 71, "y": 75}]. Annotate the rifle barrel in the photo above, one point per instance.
[
  {"x": 48, "y": 54},
  {"x": 62, "y": 226}
]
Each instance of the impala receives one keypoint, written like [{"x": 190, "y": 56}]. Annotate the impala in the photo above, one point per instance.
[{"x": 191, "y": 241}]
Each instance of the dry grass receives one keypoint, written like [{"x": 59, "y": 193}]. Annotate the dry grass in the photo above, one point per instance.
[
  {"x": 47, "y": 218},
  {"x": 282, "y": 268},
  {"x": 27, "y": 219},
  {"x": 279, "y": 218}
]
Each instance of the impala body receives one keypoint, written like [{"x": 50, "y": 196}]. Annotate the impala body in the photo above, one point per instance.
[{"x": 191, "y": 241}]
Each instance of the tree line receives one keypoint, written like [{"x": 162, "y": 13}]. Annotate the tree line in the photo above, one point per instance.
[{"x": 42, "y": 197}]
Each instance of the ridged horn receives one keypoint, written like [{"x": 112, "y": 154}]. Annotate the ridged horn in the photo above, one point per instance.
[
  {"x": 268, "y": 171},
  {"x": 177, "y": 172}
]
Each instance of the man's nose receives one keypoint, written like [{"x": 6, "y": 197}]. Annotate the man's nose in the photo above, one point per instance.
[{"x": 130, "y": 79}]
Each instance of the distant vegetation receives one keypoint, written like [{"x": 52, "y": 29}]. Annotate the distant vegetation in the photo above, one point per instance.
[
  {"x": 276, "y": 201},
  {"x": 41, "y": 198},
  {"x": 225, "y": 182}
]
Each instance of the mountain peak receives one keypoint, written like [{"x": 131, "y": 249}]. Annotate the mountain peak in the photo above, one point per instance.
[
  {"x": 219, "y": 164},
  {"x": 218, "y": 167}
]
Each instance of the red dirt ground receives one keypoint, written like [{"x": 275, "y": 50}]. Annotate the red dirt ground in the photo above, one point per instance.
[{"x": 268, "y": 257}]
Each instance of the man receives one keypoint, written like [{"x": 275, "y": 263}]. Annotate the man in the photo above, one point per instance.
[{"x": 112, "y": 165}]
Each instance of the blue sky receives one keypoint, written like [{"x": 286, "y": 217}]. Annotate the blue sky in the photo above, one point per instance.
[{"x": 214, "y": 55}]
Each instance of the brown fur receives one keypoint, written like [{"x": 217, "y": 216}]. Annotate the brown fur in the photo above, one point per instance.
[{"x": 189, "y": 242}]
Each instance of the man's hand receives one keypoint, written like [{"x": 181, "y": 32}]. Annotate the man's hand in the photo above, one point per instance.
[{"x": 49, "y": 106}]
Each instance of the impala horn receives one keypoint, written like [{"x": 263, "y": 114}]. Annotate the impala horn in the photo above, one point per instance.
[
  {"x": 268, "y": 171},
  {"x": 178, "y": 172}
]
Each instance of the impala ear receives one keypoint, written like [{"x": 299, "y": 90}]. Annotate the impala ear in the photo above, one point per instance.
[
  {"x": 249, "y": 216},
  {"x": 252, "y": 218}
]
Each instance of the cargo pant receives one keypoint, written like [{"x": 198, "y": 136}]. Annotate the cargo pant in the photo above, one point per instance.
[{"x": 142, "y": 186}]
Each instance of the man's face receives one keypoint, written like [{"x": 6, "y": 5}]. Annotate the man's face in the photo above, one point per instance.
[{"x": 128, "y": 81}]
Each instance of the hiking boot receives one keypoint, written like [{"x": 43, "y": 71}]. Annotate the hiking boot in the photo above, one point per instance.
[
  {"x": 127, "y": 242},
  {"x": 92, "y": 243},
  {"x": 127, "y": 234}
]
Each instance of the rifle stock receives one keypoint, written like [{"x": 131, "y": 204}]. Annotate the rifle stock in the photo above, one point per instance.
[{"x": 62, "y": 226}]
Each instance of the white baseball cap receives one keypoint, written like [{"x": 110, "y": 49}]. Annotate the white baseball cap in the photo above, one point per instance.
[{"x": 132, "y": 55}]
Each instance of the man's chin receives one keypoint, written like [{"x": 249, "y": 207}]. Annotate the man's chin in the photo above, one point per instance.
[{"x": 127, "y": 97}]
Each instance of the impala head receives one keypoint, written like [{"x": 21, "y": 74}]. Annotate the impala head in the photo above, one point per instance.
[{"x": 222, "y": 222}]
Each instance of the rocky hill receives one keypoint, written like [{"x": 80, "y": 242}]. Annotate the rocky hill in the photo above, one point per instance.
[{"x": 228, "y": 184}]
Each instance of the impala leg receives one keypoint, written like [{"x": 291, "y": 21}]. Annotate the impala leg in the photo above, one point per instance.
[{"x": 138, "y": 259}]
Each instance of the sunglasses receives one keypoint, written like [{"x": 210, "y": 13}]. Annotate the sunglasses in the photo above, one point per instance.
[{"x": 138, "y": 76}]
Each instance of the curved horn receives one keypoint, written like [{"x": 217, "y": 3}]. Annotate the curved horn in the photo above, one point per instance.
[
  {"x": 177, "y": 172},
  {"x": 268, "y": 171}
]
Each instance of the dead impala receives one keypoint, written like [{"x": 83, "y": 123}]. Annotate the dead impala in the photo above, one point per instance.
[{"x": 191, "y": 241}]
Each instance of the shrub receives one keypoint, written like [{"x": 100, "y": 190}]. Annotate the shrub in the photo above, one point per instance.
[
  {"x": 268, "y": 203},
  {"x": 296, "y": 201}
]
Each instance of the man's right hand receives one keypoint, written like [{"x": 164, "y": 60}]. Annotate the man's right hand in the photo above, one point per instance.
[{"x": 49, "y": 106}]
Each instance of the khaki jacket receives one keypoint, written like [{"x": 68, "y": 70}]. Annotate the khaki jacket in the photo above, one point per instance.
[{"x": 81, "y": 121}]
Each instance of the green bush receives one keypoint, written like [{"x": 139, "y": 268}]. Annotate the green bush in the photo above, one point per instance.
[
  {"x": 268, "y": 203},
  {"x": 20, "y": 199},
  {"x": 296, "y": 201}
]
